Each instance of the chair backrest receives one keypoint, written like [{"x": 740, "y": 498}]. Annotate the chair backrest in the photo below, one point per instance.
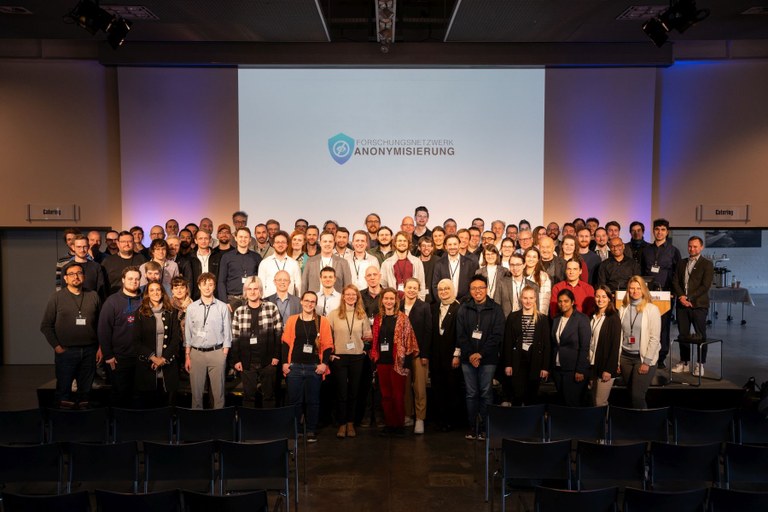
[
  {"x": 143, "y": 424},
  {"x": 531, "y": 460},
  {"x": 31, "y": 463},
  {"x": 266, "y": 424},
  {"x": 22, "y": 427},
  {"x": 638, "y": 500},
  {"x": 256, "y": 460},
  {"x": 255, "y": 501},
  {"x": 693, "y": 426},
  {"x": 729, "y": 500},
  {"x": 109, "y": 501},
  {"x": 746, "y": 467},
  {"x": 82, "y": 426},
  {"x": 547, "y": 499},
  {"x": 633, "y": 425},
  {"x": 600, "y": 465},
  {"x": 524, "y": 423},
  {"x": 179, "y": 463},
  {"x": 73, "y": 502},
  {"x": 582, "y": 423},
  {"x": 194, "y": 425},
  {"x": 114, "y": 463},
  {"x": 684, "y": 466},
  {"x": 752, "y": 427}
]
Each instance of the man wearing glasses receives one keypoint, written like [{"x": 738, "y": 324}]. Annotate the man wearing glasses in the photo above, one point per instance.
[
  {"x": 618, "y": 268},
  {"x": 479, "y": 331},
  {"x": 69, "y": 325},
  {"x": 372, "y": 225}
]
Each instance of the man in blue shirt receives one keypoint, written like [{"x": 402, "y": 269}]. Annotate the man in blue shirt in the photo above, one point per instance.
[{"x": 208, "y": 330}]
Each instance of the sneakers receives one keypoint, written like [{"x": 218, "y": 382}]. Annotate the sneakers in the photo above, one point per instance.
[
  {"x": 506, "y": 404},
  {"x": 419, "y": 427},
  {"x": 481, "y": 436},
  {"x": 698, "y": 370},
  {"x": 680, "y": 367},
  {"x": 311, "y": 437},
  {"x": 408, "y": 421},
  {"x": 470, "y": 435}
]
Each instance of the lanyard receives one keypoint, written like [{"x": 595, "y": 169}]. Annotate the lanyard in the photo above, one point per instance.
[
  {"x": 492, "y": 284},
  {"x": 632, "y": 321},
  {"x": 453, "y": 268},
  {"x": 350, "y": 327},
  {"x": 285, "y": 308},
  {"x": 285, "y": 262},
  {"x": 357, "y": 268},
  {"x": 307, "y": 341},
  {"x": 205, "y": 313},
  {"x": 82, "y": 298}
]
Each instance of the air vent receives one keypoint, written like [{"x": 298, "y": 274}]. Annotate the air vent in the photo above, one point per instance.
[
  {"x": 14, "y": 9},
  {"x": 131, "y": 12},
  {"x": 641, "y": 12},
  {"x": 756, "y": 10}
]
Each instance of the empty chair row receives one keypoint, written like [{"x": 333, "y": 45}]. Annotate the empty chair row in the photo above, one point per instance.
[
  {"x": 639, "y": 500},
  {"x": 664, "y": 467},
  {"x": 173, "y": 500},
  {"x": 614, "y": 424},
  {"x": 199, "y": 466},
  {"x": 165, "y": 424}
]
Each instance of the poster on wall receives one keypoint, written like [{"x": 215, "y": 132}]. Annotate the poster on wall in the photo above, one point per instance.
[{"x": 733, "y": 238}]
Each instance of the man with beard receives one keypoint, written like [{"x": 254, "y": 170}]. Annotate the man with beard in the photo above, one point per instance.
[
  {"x": 115, "y": 264},
  {"x": 383, "y": 250}
]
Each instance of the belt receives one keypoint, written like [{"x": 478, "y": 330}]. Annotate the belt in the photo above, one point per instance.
[{"x": 209, "y": 349}]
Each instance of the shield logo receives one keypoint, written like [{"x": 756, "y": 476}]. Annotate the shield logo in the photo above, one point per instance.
[{"x": 341, "y": 147}]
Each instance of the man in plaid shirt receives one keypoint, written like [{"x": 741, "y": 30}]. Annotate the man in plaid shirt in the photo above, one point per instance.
[{"x": 256, "y": 344}]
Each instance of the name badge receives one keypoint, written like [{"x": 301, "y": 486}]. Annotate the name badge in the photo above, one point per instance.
[
  {"x": 385, "y": 347},
  {"x": 526, "y": 346},
  {"x": 370, "y": 319},
  {"x": 254, "y": 340},
  {"x": 477, "y": 334},
  {"x": 401, "y": 287},
  {"x": 351, "y": 345},
  {"x": 631, "y": 340},
  {"x": 243, "y": 280},
  {"x": 308, "y": 349},
  {"x": 80, "y": 321},
  {"x": 655, "y": 269}
]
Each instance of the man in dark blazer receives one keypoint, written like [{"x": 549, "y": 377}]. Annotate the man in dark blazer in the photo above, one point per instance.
[
  {"x": 310, "y": 278},
  {"x": 455, "y": 267},
  {"x": 693, "y": 278}
]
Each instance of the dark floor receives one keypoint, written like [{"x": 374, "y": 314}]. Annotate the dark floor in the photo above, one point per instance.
[{"x": 437, "y": 471}]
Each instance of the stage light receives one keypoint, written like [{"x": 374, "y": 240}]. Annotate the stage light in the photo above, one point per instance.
[
  {"x": 88, "y": 15},
  {"x": 681, "y": 15}
]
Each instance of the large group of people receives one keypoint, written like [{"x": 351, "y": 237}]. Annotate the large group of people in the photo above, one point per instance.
[{"x": 451, "y": 309}]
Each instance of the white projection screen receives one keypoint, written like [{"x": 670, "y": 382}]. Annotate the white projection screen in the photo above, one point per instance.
[{"x": 340, "y": 143}]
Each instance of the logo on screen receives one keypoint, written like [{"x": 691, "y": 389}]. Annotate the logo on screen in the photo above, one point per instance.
[{"x": 341, "y": 147}]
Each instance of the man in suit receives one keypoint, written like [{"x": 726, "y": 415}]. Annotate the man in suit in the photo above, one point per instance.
[
  {"x": 691, "y": 284},
  {"x": 455, "y": 267},
  {"x": 310, "y": 277}
]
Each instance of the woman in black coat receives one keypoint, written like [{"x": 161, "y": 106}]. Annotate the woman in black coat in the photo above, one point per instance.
[
  {"x": 604, "y": 346},
  {"x": 448, "y": 405},
  {"x": 157, "y": 336},
  {"x": 527, "y": 349}
]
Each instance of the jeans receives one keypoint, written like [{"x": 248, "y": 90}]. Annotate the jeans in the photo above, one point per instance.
[
  {"x": 478, "y": 382},
  {"x": 75, "y": 363},
  {"x": 304, "y": 388}
]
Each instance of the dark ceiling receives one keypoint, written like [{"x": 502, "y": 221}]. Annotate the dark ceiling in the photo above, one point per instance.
[{"x": 323, "y": 32}]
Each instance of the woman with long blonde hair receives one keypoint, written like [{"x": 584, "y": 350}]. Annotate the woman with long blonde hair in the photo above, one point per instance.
[
  {"x": 351, "y": 331},
  {"x": 640, "y": 341}
]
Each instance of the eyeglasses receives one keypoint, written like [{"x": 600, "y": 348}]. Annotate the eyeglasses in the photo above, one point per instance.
[
  {"x": 477, "y": 288},
  {"x": 307, "y": 301},
  {"x": 70, "y": 274}
]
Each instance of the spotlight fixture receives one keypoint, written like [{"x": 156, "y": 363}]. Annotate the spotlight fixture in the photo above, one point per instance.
[
  {"x": 88, "y": 15},
  {"x": 681, "y": 15}
]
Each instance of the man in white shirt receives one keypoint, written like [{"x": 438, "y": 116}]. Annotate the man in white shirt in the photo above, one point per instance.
[
  {"x": 278, "y": 261},
  {"x": 328, "y": 298},
  {"x": 359, "y": 260}
]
